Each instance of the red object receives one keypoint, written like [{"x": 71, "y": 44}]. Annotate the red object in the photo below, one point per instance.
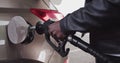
[{"x": 46, "y": 14}]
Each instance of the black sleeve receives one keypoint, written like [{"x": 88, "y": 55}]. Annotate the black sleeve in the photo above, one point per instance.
[{"x": 94, "y": 16}]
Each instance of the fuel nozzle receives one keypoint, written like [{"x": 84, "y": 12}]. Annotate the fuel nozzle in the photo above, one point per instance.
[{"x": 39, "y": 28}]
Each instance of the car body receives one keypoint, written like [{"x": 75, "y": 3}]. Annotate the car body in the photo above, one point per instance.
[{"x": 38, "y": 50}]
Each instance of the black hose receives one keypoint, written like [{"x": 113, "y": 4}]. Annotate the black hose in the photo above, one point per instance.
[{"x": 76, "y": 41}]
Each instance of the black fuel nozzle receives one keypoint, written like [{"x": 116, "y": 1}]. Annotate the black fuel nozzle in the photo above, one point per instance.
[
  {"x": 39, "y": 28},
  {"x": 43, "y": 28}
]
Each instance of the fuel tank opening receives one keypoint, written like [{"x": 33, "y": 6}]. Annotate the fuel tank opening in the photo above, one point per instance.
[{"x": 19, "y": 31}]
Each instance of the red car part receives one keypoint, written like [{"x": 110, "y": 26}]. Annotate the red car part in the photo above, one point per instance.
[{"x": 46, "y": 14}]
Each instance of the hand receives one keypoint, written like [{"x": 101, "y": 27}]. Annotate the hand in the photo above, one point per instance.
[{"x": 55, "y": 30}]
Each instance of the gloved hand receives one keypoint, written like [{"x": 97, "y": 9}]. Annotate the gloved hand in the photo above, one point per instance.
[{"x": 55, "y": 30}]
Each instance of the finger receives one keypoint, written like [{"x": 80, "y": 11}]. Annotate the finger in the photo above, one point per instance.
[
  {"x": 54, "y": 33},
  {"x": 50, "y": 30},
  {"x": 60, "y": 36}
]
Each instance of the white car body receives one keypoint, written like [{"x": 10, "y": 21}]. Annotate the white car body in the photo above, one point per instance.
[{"x": 38, "y": 49}]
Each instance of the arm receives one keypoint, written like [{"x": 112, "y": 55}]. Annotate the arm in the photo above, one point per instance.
[{"x": 96, "y": 15}]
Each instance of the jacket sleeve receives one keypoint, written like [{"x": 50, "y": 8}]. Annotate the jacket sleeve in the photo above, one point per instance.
[{"x": 96, "y": 15}]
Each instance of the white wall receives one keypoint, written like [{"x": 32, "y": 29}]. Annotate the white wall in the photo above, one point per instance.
[{"x": 68, "y": 6}]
